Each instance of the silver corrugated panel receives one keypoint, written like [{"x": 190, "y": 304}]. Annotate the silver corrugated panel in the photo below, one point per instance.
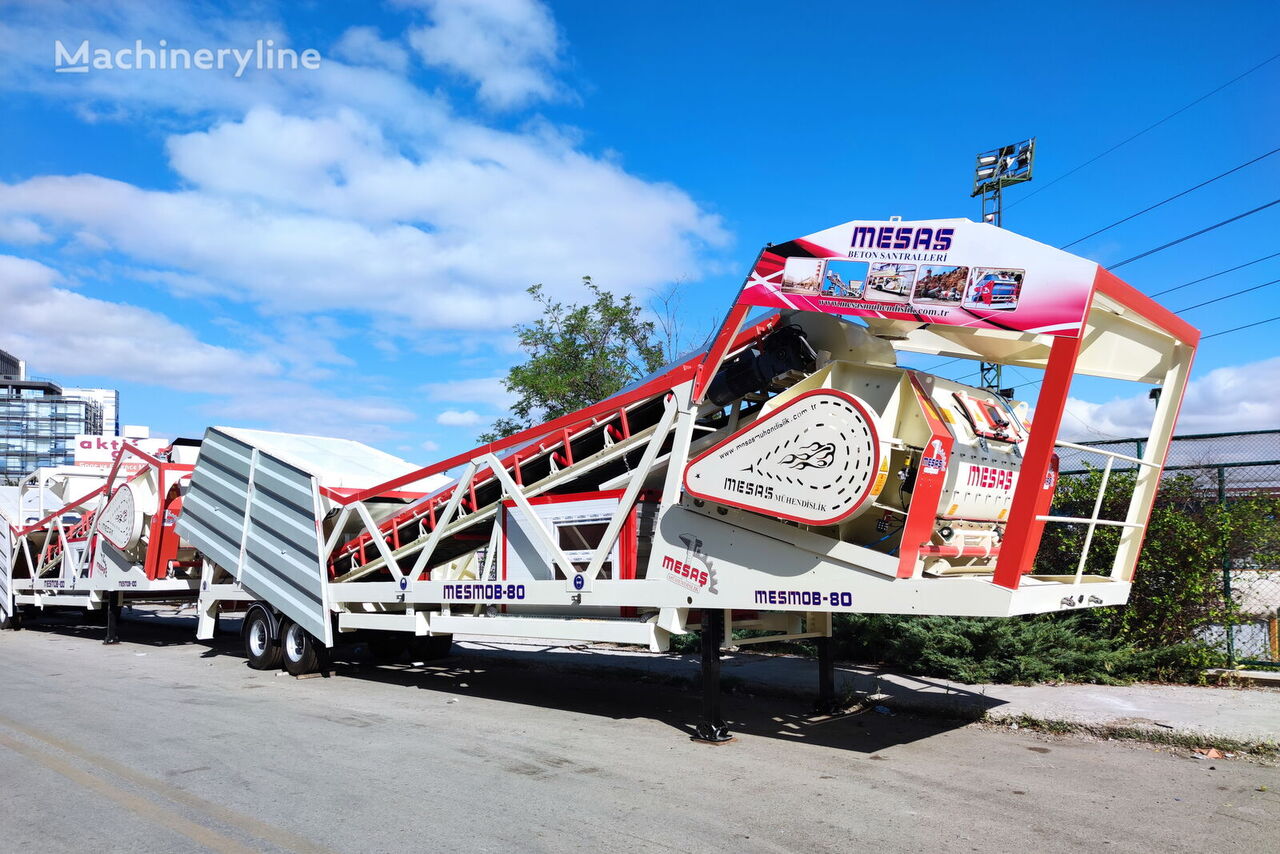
[
  {"x": 282, "y": 546},
  {"x": 6, "y": 560},
  {"x": 255, "y": 516},
  {"x": 213, "y": 510}
]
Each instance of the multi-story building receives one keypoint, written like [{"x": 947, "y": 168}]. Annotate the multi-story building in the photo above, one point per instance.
[
  {"x": 11, "y": 366},
  {"x": 108, "y": 399},
  {"x": 39, "y": 421}
]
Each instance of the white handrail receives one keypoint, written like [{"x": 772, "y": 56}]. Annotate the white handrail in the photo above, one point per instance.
[
  {"x": 1093, "y": 521},
  {"x": 1112, "y": 454},
  {"x": 1081, "y": 520}
]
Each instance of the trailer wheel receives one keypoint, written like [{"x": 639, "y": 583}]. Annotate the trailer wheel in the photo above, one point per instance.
[
  {"x": 260, "y": 647},
  {"x": 430, "y": 648},
  {"x": 302, "y": 652}
]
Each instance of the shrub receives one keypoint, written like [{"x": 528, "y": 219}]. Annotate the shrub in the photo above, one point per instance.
[{"x": 1043, "y": 648}]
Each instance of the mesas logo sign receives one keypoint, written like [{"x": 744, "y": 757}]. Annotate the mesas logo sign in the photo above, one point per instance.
[
  {"x": 683, "y": 570},
  {"x": 902, "y": 237},
  {"x": 934, "y": 462}
]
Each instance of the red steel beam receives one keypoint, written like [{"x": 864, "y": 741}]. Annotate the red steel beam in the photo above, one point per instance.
[{"x": 1021, "y": 538}]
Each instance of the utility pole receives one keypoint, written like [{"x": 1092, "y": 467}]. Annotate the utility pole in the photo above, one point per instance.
[{"x": 995, "y": 170}]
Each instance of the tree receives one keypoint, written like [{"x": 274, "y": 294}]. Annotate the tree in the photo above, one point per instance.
[{"x": 577, "y": 355}]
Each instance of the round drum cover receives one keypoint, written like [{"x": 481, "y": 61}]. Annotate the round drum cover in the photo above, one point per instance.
[
  {"x": 812, "y": 460},
  {"x": 121, "y": 521}
]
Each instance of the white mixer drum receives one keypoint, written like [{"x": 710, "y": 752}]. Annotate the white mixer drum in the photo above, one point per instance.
[
  {"x": 812, "y": 460},
  {"x": 121, "y": 521}
]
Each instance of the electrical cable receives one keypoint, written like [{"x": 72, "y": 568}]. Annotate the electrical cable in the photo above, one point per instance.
[
  {"x": 1238, "y": 328},
  {"x": 1194, "y": 234},
  {"x": 1229, "y": 296},
  {"x": 1130, "y": 139},
  {"x": 1170, "y": 199},
  {"x": 1216, "y": 275},
  {"x": 932, "y": 368},
  {"x": 1086, "y": 425}
]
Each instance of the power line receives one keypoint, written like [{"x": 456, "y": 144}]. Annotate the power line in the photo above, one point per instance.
[
  {"x": 1194, "y": 234},
  {"x": 1026, "y": 379},
  {"x": 933, "y": 368},
  {"x": 1238, "y": 328},
  {"x": 1125, "y": 142},
  {"x": 1086, "y": 425},
  {"x": 1230, "y": 295},
  {"x": 1216, "y": 275},
  {"x": 1170, "y": 199}
]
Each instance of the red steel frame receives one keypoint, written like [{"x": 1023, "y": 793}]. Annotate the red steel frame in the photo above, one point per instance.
[
  {"x": 556, "y": 433},
  {"x": 927, "y": 493},
  {"x": 1038, "y": 477},
  {"x": 161, "y": 543},
  {"x": 1023, "y": 533},
  {"x": 1032, "y": 494}
]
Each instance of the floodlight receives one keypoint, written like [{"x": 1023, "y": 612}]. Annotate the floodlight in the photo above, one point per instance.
[{"x": 1000, "y": 167}]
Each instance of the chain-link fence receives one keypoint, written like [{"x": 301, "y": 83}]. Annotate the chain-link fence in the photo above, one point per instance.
[{"x": 1226, "y": 467}]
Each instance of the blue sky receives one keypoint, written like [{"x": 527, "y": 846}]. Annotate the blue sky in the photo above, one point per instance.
[{"x": 344, "y": 251}]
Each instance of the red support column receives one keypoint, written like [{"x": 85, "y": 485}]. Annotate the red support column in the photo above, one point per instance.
[
  {"x": 1018, "y": 550},
  {"x": 707, "y": 370},
  {"x": 931, "y": 474}
]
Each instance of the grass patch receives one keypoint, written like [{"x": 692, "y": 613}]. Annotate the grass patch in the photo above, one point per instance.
[{"x": 1265, "y": 749}]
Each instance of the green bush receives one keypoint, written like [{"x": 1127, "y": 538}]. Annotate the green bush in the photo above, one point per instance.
[
  {"x": 1177, "y": 593},
  {"x": 1042, "y": 648},
  {"x": 1177, "y": 589}
]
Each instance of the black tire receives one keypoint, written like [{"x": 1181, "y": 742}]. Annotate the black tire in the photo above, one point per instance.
[
  {"x": 301, "y": 652},
  {"x": 260, "y": 647},
  {"x": 431, "y": 648}
]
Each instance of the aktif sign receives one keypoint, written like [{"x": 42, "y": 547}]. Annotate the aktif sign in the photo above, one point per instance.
[{"x": 263, "y": 56}]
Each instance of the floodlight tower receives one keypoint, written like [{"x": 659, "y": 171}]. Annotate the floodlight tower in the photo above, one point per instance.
[{"x": 995, "y": 170}]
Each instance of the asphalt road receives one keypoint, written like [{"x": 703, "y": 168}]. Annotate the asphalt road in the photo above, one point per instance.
[{"x": 165, "y": 744}]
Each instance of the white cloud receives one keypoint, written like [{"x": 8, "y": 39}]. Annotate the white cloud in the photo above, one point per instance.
[
  {"x": 455, "y": 418},
  {"x": 488, "y": 390},
  {"x": 313, "y": 214},
  {"x": 300, "y": 408},
  {"x": 506, "y": 47},
  {"x": 28, "y": 31},
  {"x": 1238, "y": 397},
  {"x": 22, "y": 232},
  {"x": 429, "y": 446},
  {"x": 363, "y": 46},
  {"x": 308, "y": 346},
  {"x": 350, "y": 192},
  {"x": 60, "y": 331}
]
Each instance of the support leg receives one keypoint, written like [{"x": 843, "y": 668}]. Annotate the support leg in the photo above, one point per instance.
[
  {"x": 113, "y": 605},
  {"x": 712, "y": 727},
  {"x": 827, "y": 704}
]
